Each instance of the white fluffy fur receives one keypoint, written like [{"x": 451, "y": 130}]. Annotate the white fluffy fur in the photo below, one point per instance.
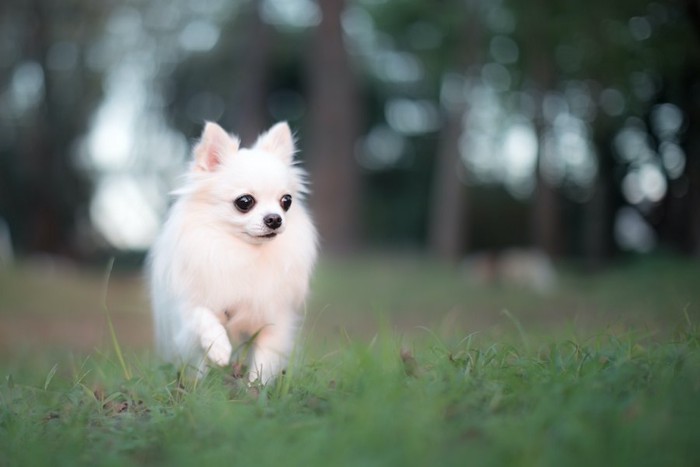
[{"x": 214, "y": 277}]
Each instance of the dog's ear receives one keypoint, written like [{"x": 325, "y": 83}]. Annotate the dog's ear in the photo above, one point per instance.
[
  {"x": 213, "y": 146},
  {"x": 279, "y": 141}
]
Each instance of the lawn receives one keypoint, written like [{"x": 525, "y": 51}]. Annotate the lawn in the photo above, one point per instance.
[{"x": 402, "y": 362}]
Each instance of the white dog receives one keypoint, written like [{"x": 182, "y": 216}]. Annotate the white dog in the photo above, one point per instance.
[{"x": 235, "y": 255}]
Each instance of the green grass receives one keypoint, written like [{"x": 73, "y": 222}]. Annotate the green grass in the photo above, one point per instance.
[
  {"x": 609, "y": 400},
  {"x": 442, "y": 377},
  {"x": 651, "y": 294}
]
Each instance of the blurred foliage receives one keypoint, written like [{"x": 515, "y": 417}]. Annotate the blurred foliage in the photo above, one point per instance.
[
  {"x": 484, "y": 67},
  {"x": 48, "y": 90}
]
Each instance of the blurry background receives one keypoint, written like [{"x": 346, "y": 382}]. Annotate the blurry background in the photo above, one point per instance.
[{"x": 457, "y": 129}]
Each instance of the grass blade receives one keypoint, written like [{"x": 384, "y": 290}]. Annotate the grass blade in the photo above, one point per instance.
[
  {"x": 50, "y": 376},
  {"x": 519, "y": 327},
  {"x": 115, "y": 342}
]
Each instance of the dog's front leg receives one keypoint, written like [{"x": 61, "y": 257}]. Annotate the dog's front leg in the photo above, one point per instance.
[{"x": 211, "y": 335}]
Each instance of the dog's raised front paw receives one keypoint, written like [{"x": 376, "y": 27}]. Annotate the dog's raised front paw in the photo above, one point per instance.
[
  {"x": 217, "y": 346},
  {"x": 219, "y": 351}
]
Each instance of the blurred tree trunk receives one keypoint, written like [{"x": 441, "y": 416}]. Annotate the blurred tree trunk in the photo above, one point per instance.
[
  {"x": 249, "y": 105},
  {"x": 546, "y": 225},
  {"x": 43, "y": 233},
  {"x": 691, "y": 144},
  {"x": 334, "y": 127},
  {"x": 448, "y": 230},
  {"x": 600, "y": 211},
  {"x": 693, "y": 9},
  {"x": 44, "y": 193},
  {"x": 55, "y": 190},
  {"x": 545, "y": 219},
  {"x": 693, "y": 139},
  {"x": 677, "y": 218},
  {"x": 694, "y": 195}
]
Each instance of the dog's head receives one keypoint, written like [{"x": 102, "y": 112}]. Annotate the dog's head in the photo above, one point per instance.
[{"x": 249, "y": 191}]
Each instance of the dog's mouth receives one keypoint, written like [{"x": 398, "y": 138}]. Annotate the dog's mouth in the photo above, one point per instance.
[{"x": 261, "y": 237}]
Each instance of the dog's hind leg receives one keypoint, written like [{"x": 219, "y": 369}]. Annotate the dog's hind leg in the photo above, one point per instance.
[{"x": 271, "y": 350}]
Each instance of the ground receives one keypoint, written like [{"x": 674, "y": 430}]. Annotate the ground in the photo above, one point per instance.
[
  {"x": 402, "y": 361},
  {"x": 63, "y": 306}
]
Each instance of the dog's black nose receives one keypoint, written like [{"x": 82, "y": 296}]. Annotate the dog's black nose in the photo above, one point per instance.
[{"x": 273, "y": 221}]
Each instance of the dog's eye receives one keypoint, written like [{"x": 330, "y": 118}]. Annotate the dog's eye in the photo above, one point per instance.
[
  {"x": 244, "y": 203},
  {"x": 286, "y": 202}
]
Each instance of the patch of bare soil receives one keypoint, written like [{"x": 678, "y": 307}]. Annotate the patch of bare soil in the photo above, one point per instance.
[{"x": 80, "y": 332}]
